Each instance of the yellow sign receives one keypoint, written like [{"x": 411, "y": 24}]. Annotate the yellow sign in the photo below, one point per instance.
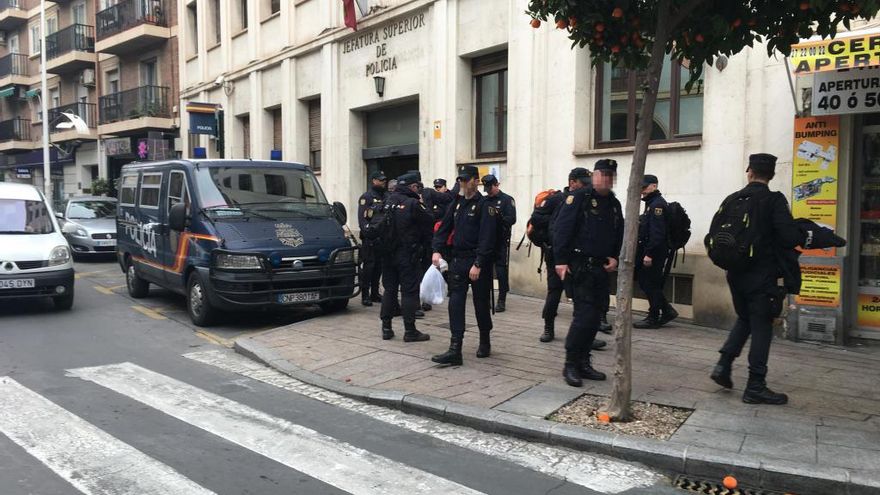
[
  {"x": 837, "y": 54},
  {"x": 869, "y": 310},
  {"x": 437, "y": 131},
  {"x": 820, "y": 286},
  {"x": 814, "y": 172}
]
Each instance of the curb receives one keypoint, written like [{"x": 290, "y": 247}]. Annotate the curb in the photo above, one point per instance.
[{"x": 671, "y": 457}]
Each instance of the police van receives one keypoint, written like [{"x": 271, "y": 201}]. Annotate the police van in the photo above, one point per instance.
[{"x": 234, "y": 235}]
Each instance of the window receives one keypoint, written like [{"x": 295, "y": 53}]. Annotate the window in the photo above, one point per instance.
[
  {"x": 270, "y": 7},
  {"x": 276, "y": 185},
  {"x": 215, "y": 13},
  {"x": 315, "y": 134},
  {"x": 150, "y": 187},
  {"x": 277, "y": 129},
  {"x": 245, "y": 182},
  {"x": 177, "y": 191},
  {"x": 52, "y": 25},
  {"x": 35, "y": 39},
  {"x": 112, "y": 77},
  {"x": 192, "y": 24},
  {"x": 678, "y": 114},
  {"x": 78, "y": 13},
  {"x": 490, "y": 79},
  {"x": 242, "y": 6},
  {"x": 13, "y": 45},
  {"x": 149, "y": 75},
  {"x": 245, "y": 123},
  {"x": 127, "y": 193},
  {"x": 54, "y": 97}
]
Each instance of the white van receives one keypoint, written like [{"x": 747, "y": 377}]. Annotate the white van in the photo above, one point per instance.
[{"x": 34, "y": 256}]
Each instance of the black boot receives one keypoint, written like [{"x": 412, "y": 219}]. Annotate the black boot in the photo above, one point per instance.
[
  {"x": 721, "y": 373},
  {"x": 419, "y": 314},
  {"x": 757, "y": 392},
  {"x": 549, "y": 332},
  {"x": 599, "y": 344},
  {"x": 571, "y": 372},
  {"x": 604, "y": 326},
  {"x": 365, "y": 299},
  {"x": 485, "y": 347},
  {"x": 669, "y": 314},
  {"x": 501, "y": 305},
  {"x": 452, "y": 357},
  {"x": 427, "y": 307},
  {"x": 387, "y": 332},
  {"x": 411, "y": 334},
  {"x": 650, "y": 322},
  {"x": 587, "y": 371},
  {"x": 376, "y": 297}
]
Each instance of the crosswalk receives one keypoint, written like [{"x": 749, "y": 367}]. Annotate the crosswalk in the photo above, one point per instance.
[{"x": 96, "y": 463}]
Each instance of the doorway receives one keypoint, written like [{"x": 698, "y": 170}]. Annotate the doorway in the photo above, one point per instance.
[{"x": 392, "y": 136}]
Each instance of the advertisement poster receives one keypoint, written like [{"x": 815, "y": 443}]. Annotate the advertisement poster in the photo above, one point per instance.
[
  {"x": 820, "y": 286},
  {"x": 814, "y": 172},
  {"x": 836, "y": 54},
  {"x": 869, "y": 310}
]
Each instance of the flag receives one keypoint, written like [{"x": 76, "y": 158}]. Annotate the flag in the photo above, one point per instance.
[
  {"x": 364, "y": 7},
  {"x": 350, "y": 18}
]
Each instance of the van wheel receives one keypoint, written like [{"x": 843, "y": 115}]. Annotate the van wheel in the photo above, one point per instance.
[
  {"x": 137, "y": 287},
  {"x": 65, "y": 302},
  {"x": 334, "y": 306},
  {"x": 197, "y": 305}
]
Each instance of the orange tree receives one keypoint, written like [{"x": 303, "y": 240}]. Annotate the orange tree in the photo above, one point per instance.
[{"x": 640, "y": 34}]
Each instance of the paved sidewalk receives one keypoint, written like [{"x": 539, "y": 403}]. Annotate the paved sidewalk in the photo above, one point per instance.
[{"x": 832, "y": 420}]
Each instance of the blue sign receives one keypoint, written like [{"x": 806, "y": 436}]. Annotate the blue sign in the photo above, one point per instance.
[{"x": 202, "y": 123}]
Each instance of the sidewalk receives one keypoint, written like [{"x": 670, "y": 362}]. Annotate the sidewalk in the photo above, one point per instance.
[{"x": 828, "y": 435}]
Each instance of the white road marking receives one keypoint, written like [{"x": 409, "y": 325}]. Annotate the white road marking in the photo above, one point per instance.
[
  {"x": 336, "y": 463},
  {"x": 595, "y": 472},
  {"x": 86, "y": 457}
]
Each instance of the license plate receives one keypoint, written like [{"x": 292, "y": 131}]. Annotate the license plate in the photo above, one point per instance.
[
  {"x": 18, "y": 283},
  {"x": 298, "y": 297},
  {"x": 111, "y": 242}
]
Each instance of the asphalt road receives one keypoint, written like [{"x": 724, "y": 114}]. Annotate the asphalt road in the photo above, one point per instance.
[{"x": 123, "y": 396}]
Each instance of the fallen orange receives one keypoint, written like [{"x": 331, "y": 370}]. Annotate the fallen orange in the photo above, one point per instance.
[
  {"x": 603, "y": 417},
  {"x": 729, "y": 482}
]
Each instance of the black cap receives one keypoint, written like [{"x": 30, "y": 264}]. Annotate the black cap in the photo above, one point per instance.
[
  {"x": 416, "y": 173},
  {"x": 468, "y": 171},
  {"x": 408, "y": 179},
  {"x": 764, "y": 163},
  {"x": 581, "y": 174},
  {"x": 648, "y": 179},
  {"x": 489, "y": 179},
  {"x": 439, "y": 182},
  {"x": 606, "y": 164},
  {"x": 378, "y": 175}
]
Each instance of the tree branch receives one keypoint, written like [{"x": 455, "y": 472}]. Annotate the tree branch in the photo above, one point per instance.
[{"x": 682, "y": 12}]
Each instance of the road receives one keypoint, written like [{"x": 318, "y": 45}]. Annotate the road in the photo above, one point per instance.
[{"x": 125, "y": 396}]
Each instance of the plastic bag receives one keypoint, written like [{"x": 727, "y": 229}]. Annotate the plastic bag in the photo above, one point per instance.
[{"x": 433, "y": 288}]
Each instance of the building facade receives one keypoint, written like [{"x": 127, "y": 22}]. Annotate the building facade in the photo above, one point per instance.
[{"x": 433, "y": 84}]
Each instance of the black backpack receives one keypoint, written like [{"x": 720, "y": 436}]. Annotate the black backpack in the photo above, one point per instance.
[
  {"x": 539, "y": 226},
  {"x": 734, "y": 232},
  {"x": 381, "y": 231}
]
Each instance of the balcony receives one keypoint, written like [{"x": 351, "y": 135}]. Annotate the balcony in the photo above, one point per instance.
[
  {"x": 71, "y": 49},
  {"x": 86, "y": 111},
  {"x": 14, "y": 69},
  {"x": 138, "y": 109},
  {"x": 131, "y": 25},
  {"x": 12, "y": 15},
  {"x": 15, "y": 135}
]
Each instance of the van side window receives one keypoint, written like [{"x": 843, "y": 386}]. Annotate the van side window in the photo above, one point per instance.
[
  {"x": 245, "y": 182},
  {"x": 150, "y": 187},
  {"x": 276, "y": 185},
  {"x": 177, "y": 190},
  {"x": 128, "y": 190}
]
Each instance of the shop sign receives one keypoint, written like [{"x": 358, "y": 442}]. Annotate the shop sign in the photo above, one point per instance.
[
  {"x": 22, "y": 173},
  {"x": 820, "y": 285},
  {"x": 377, "y": 44},
  {"x": 202, "y": 118},
  {"x": 851, "y": 91},
  {"x": 836, "y": 54},
  {"x": 814, "y": 172},
  {"x": 117, "y": 146},
  {"x": 869, "y": 310}
]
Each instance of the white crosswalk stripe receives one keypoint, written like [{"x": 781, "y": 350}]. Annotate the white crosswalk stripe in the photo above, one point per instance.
[
  {"x": 595, "y": 472},
  {"x": 336, "y": 463},
  {"x": 88, "y": 458}
]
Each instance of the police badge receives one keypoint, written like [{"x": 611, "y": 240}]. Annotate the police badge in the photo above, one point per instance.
[
  {"x": 288, "y": 235},
  {"x": 595, "y": 203},
  {"x": 658, "y": 212},
  {"x": 569, "y": 200}
]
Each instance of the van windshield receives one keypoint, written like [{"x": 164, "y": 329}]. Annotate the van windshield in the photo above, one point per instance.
[
  {"x": 268, "y": 192},
  {"x": 21, "y": 216}
]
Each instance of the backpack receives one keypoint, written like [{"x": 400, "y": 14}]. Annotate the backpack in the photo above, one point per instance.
[
  {"x": 381, "y": 231},
  {"x": 678, "y": 232},
  {"x": 734, "y": 232},
  {"x": 538, "y": 226}
]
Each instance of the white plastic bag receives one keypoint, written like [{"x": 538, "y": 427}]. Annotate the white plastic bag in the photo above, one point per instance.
[{"x": 433, "y": 288}]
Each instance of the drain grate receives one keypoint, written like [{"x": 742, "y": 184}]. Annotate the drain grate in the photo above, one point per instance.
[{"x": 709, "y": 488}]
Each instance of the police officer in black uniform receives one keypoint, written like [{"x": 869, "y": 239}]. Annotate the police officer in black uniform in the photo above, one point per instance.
[
  {"x": 371, "y": 271},
  {"x": 438, "y": 199},
  {"x": 587, "y": 237},
  {"x": 504, "y": 204},
  {"x": 757, "y": 299},
  {"x": 401, "y": 267},
  {"x": 651, "y": 256},
  {"x": 473, "y": 224}
]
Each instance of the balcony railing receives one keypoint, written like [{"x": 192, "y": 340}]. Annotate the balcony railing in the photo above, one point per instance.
[
  {"x": 128, "y": 14},
  {"x": 145, "y": 101},
  {"x": 86, "y": 111},
  {"x": 9, "y": 4},
  {"x": 14, "y": 64},
  {"x": 15, "y": 130},
  {"x": 78, "y": 37}
]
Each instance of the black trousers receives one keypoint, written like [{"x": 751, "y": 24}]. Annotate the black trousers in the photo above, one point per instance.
[
  {"x": 589, "y": 290},
  {"x": 651, "y": 280},
  {"x": 371, "y": 271},
  {"x": 459, "y": 282},
  {"x": 400, "y": 271},
  {"x": 755, "y": 311},
  {"x": 502, "y": 272},
  {"x": 555, "y": 287}
]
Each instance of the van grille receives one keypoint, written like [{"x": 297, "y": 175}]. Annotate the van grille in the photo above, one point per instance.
[{"x": 31, "y": 265}]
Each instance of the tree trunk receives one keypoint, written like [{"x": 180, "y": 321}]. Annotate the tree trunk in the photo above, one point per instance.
[{"x": 619, "y": 406}]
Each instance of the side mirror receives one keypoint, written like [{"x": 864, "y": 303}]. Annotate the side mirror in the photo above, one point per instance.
[
  {"x": 339, "y": 211},
  {"x": 177, "y": 217},
  {"x": 59, "y": 215},
  {"x": 69, "y": 228}
]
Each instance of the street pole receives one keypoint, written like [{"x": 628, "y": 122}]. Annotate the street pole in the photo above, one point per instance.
[{"x": 47, "y": 172}]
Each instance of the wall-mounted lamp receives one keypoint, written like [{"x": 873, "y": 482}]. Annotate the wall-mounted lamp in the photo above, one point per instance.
[{"x": 380, "y": 85}]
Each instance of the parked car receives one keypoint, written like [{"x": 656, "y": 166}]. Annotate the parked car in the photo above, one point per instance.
[
  {"x": 234, "y": 235},
  {"x": 93, "y": 221},
  {"x": 35, "y": 259}
]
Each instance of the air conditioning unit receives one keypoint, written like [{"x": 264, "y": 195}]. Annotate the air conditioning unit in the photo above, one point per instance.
[
  {"x": 2, "y": 38},
  {"x": 87, "y": 78}
]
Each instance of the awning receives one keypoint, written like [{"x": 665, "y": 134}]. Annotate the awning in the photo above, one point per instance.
[
  {"x": 7, "y": 92},
  {"x": 32, "y": 93}
]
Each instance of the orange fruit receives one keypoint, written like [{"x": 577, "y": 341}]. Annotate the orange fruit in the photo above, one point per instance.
[
  {"x": 603, "y": 417},
  {"x": 561, "y": 24},
  {"x": 729, "y": 482},
  {"x": 536, "y": 23},
  {"x": 617, "y": 13}
]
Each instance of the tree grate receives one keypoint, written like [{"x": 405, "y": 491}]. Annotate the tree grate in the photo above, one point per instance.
[{"x": 709, "y": 488}]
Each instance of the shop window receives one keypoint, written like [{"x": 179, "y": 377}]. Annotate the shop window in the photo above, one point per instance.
[
  {"x": 490, "y": 81},
  {"x": 150, "y": 187},
  {"x": 192, "y": 28},
  {"x": 619, "y": 95},
  {"x": 315, "y": 134}
]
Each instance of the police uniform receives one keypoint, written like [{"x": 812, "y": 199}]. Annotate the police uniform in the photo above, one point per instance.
[
  {"x": 757, "y": 299},
  {"x": 653, "y": 242},
  {"x": 588, "y": 232},
  {"x": 401, "y": 267},
  {"x": 371, "y": 270},
  {"x": 471, "y": 225},
  {"x": 438, "y": 202},
  {"x": 506, "y": 206}
]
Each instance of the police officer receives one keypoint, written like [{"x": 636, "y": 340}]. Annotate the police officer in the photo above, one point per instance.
[
  {"x": 756, "y": 298},
  {"x": 371, "y": 271},
  {"x": 504, "y": 204},
  {"x": 587, "y": 237},
  {"x": 651, "y": 255},
  {"x": 473, "y": 224},
  {"x": 401, "y": 267},
  {"x": 437, "y": 200}
]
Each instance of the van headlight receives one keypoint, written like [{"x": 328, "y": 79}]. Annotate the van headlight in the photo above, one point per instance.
[
  {"x": 237, "y": 262},
  {"x": 60, "y": 256},
  {"x": 346, "y": 256}
]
